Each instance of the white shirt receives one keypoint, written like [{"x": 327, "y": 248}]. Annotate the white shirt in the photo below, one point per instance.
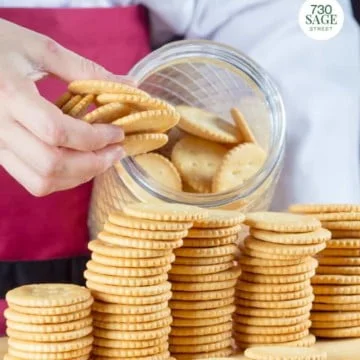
[{"x": 319, "y": 81}]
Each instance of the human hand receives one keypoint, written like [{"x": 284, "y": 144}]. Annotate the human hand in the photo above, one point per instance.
[{"x": 43, "y": 149}]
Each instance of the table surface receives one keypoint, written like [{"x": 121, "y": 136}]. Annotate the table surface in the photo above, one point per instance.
[{"x": 337, "y": 349}]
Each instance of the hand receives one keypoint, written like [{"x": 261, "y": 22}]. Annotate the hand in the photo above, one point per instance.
[{"x": 43, "y": 149}]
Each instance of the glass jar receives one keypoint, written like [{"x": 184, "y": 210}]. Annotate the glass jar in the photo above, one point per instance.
[{"x": 214, "y": 77}]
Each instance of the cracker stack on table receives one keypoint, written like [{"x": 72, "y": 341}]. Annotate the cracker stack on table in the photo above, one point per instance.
[
  {"x": 274, "y": 294},
  {"x": 203, "y": 279},
  {"x": 49, "y": 321},
  {"x": 128, "y": 278},
  {"x": 336, "y": 309}
]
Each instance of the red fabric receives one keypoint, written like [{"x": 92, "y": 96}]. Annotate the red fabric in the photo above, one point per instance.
[
  {"x": 55, "y": 226},
  {"x": 3, "y": 306}
]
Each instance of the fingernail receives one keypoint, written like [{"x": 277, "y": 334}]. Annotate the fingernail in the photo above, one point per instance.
[
  {"x": 115, "y": 134},
  {"x": 117, "y": 153}
]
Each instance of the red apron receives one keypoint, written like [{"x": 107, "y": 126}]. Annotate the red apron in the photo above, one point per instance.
[{"x": 45, "y": 239}]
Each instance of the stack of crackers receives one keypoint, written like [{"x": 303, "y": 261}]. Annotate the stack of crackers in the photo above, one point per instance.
[
  {"x": 336, "y": 309},
  {"x": 128, "y": 276},
  {"x": 144, "y": 119},
  {"x": 203, "y": 279},
  {"x": 274, "y": 294},
  {"x": 49, "y": 321}
]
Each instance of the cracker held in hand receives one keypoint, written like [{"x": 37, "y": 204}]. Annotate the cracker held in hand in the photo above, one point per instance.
[
  {"x": 277, "y": 267},
  {"x": 48, "y": 321},
  {"x": 239, "y": 165},
  {"x": 207, "y": 125},
  {"x": 131, "y": 108},
  {"x": 197, "y": 161}
]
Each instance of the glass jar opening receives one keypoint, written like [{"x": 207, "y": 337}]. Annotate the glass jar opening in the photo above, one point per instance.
[{"x": 215, "y": 77}]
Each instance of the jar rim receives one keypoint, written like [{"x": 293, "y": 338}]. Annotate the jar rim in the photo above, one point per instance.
[{"x": 185, "y": 49}]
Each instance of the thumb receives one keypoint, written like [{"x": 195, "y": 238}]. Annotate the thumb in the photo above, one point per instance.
[{"x": 69, "y": 66}]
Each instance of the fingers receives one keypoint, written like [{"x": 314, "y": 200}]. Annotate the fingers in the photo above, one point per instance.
[
  {"x": 50, "y": 161},
  {"x": 50, "y": 125},
  {"x": 34, "y": 183},
  {"x": 68, "y": 65}
]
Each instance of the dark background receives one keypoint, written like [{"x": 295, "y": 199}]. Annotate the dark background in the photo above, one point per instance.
[{"x": 356, "y": 7}]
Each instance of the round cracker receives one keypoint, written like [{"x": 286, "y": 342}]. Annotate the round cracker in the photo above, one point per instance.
[
  {"x": 49, "y": 337},
  {"x": 160, "y": 169},
  {"x": 283, "y": 249},
  {"x": 50, "y": 347},
  {"x": 203, "y": 295},
  {"x": 257, "y": 296},
  {"x": 143, "y": 143},
  {"x": 121, "y": 219},
  {"x": 129, "y": 291},
  {"x": 219, "y": 218},
  {"x": 102, "y": 86},
  {"x": 341, "y": 225},
  {"x": 284, "y": 353},
  {"x": 306, "y": 341},
  {"x": 137, "y": 101},
  {"x": 207, "y": 125},
  {"x": 81, "y": 107},
  {"x": 336, "y": 279},
  {"x": 239, "y": 165},
  {"x": 54, "y": 310},
  {"x": 284, "y": 304},
  {"x": 245, "y": 131},
  {"x": 209, "y": 242},
  {"x": 314, "y": 237},
  {"x": 273, "y": 330},
  {"x": 273, "y": 313},
  {"x": 144, "y": 234},
  {"x": 269, "y": 321},
  {"x": 182, "y": 260},
  {"x": 165, "y": 212},
  {"x": 276, "y": 279},
  {"x": 48, "y": 295},
  {"x": 15, "y": 316},
  {"x": 125, "y": 281},
  {"x": 151, "y": 121},
  {"x": 106, "y": 113},
  {"x": 272, "y": 288},
  {"x": 282, "y": 222},
  {"x": 141, "y": 263},
  {"x": 232, "y": 273},
  {"x": 306, "y": 266},
  {"x": 63, "y": 99},
  {"x": 127, "y": 271},
  {"x": 252, "y": 261},
  {"x": 206, "y": 252},
  {"x": 119, "y": 309},
  {"x": 336, "y": 290},
  {"x": 324, "y": 208},
  {"x": 200, "y": 269},
  {"x": 75, "y": 99},
  {"x": 197, "y": 161},
  {"x": 217, "y": 232},
  {"x": 269, "y": 339}
]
